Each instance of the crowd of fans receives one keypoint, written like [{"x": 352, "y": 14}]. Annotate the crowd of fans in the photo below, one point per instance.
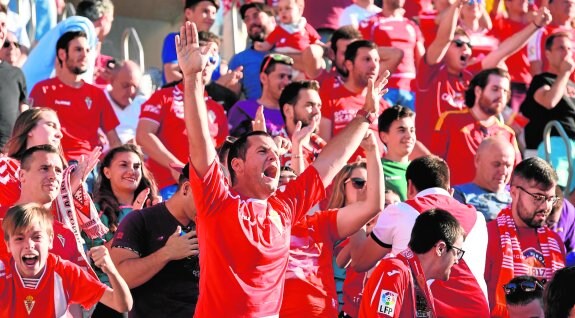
[{"x": 290, "y": 181}]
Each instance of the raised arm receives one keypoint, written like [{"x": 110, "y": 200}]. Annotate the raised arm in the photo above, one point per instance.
[
  {"x": 517, "y": 41},
  {"x": 118, "y": 297},
  {"x": 389, "y": 57},
  {"x": 550, "y": 96},
  {"x": 340, "y": 148},
  {"x": 193, "y": 60},
  {"x": 437, "y": 49}
]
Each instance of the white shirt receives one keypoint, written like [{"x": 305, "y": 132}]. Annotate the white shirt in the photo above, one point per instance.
[
  {"x": 354, "y": 14},
  {"x": 128, "y": 117}
]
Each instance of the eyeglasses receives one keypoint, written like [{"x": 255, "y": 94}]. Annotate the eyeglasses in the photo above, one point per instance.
[
  {"x": 539, "y": 198},
  {"x": 460, "y": 43},
  {"x": 458, "y": 251},
  {"x": 8, "y": 43},
  {"x": 278, "y": 58},
  {"x": 526, "y": 286},
  {"x": 357, "y": 183}
]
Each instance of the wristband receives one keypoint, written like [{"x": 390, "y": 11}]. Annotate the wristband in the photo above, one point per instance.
[
  {"x": 368, "y": 116},
  {"x": 537, "y": 26}
]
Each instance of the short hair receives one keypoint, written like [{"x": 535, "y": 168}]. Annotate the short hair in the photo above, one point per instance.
[
  {"x": 64, "y": 41},
  {"x": 558, "y": 299},
  {"x": 353, "y": 47},
  {"x": 260, "y": 6},
  {"x": 551, "y": 39},
  {"x": 27, "y": 155},
  {"x": 392, "y": 114},
  {"x": 94, "y": 9},
  {"x": 428, "y": 172},
  {"x": 21, "y": 217},
  {"x": 290, "y": 93},
  {"x": 460, "y": 31},
  {"x": 433, "y": 226},
  {"x": 535, "y": 169},
  {"x": 239, "y": 149},
  {"x": 271, "y": 60},
  {"x": 347, "y": 32},
  {"x": 518, "y": 296},
  {"x": 480, "y": 80},
  {"x": 4, "y": 9},
  {"x": 191, "y": 4},
  {"x": 207, "y": 36}
]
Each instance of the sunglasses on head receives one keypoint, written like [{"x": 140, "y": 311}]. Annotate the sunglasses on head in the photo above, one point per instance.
[
  {"x": 461, "y": 43},
  {"x": 279, "y": 58},
  {"x": 357, "y": 183},
  {"x": 526, "y": 286},
  {"x": 8, "y": 43}
]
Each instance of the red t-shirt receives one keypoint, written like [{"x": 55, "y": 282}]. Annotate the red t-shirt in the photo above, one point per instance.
[
  {"x": 389, "y": 291},
  {"x": 166, "y": 108},
  {"x": 9, "y": 183},
  {"x": 483, "y": 43},
  {"x": 309, "y": 289},
  {"x": 244, "y": 242},
  {"x": 400, "y": 33},
  {"x": 300, "y": 40},
  {"x": 457, "y": 136},
  {"x": 530, "y": 248},
  {"x": 518, "y": 63},
  {"x": 62, "y": 284},
  {"x": 81, "y": 112},
  {"x": 437, "y": 92},
  {"x": 352, "y": 288}
]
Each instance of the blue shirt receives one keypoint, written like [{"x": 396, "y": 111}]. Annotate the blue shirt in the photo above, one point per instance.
[
  {"x": 486, "y": 202},
  {"x": 251, "y": 60}
]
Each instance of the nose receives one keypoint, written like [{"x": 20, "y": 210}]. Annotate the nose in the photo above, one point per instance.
[
  {"x": 29, "y": 244},
  {"x": 58, "y": 134}
]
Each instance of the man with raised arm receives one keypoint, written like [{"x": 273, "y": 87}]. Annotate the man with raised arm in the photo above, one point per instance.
[{"x": 242, "y": 268}]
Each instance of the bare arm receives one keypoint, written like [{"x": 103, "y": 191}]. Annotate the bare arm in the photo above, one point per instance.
[
  {"x": 113, "y": 139},
  {"x": 343, "y": 258},
  {"x": 365, "y": 252},
  {"x": 325, "y": 128},
  {"x": 389, "y": 58},
  {"x": 146, "y": 137},
  {"x": 193, "y": 61},
  {"x": 172, "y": 72},
  {"x": 118, "y": 297},
  {"x": 437, "y": 49},
  {"x": 550, "y": 96}
]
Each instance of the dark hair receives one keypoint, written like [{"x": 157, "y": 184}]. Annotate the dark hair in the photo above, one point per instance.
[
  {"x": 392, "y": 114},
  {"x": 64, "y": 41},
  {"x": 269, "y": 62},
  {"x": 480, "y": 80},
  {"x": 428, "y": 172},
  {"x": 519, "y": 296},
  {"x": 239, "y": 148},
  {"x": 94, "y": 9},
  {"x": 535, "y": 169},
  {"x": 558, "y": 295},
  {"x": 347, "y": 32},
  {"x": 353, "y": 47},
  {"x": 191, "y": 4},
  {"x": 290, "y": 93},
  {"x": 260, "y": 6},
  {"x": 551, "y": 38},
  {"x": 103, "y": 194},
  {"x": 28, "y": 153},
  {"x": 207, "y": 36},
  {"x": 431, "y": 227},
  {"x": 3, "y": 8}
]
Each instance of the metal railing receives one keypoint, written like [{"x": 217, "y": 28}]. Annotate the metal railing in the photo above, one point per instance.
[
  {"x": 131, "y": 32},
  {"x": 547, "y": 144}
]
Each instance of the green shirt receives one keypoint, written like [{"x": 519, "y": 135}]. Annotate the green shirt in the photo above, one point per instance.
[{"x": 394, "y": 173}]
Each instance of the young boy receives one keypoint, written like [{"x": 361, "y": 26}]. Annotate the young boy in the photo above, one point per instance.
[{"x": 36, "y": 283}]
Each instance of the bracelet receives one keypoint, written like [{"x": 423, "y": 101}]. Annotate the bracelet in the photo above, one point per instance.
[{"x": 537, "y": 26}]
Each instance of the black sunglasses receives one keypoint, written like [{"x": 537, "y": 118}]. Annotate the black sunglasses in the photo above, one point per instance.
[
  {"x": 357, "y": 183},
  {"x": 8, "y": 43},
  {"x": 526, "y": 286},
  {"x": 461, "y": 43}
]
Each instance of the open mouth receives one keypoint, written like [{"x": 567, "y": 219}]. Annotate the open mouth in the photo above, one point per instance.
[
  {"x": 464, "y": 58},
  {"x": 271, "y": 172},
  {"x": 30, "y": 260}
]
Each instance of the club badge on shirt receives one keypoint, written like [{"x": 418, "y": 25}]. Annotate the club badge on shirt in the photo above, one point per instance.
[
  {"x": 387, "y": 301},
  {"x": 29, "y": 303},
  {"x": 88, "y": 102}
]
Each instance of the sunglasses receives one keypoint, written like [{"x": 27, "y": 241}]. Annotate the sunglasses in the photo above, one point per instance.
[
  {"x": 527, "y": 286},
  {"x": 357, "y": 183},
  {"x": 278, "y": 58},
  {"x": 460, "y": 43},
  {"x": 8, "y": 43}
]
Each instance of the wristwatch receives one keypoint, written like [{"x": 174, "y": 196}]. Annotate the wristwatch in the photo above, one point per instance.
[{"x": 368, "y": 116}]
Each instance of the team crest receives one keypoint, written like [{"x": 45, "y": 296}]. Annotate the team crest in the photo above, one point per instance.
[
  {"x": 62, "y": 239},
  {"x": 29, "y": 303},
  {"x": 387, "y": 301},
  {"x": 88, "y": 102}
]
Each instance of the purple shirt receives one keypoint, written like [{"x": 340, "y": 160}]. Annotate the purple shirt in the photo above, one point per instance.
[
  {"x": 243, "y": 112},
  {"x": 566, "y": 226}
]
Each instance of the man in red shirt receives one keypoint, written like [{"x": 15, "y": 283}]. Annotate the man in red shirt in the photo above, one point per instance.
[
  {"x": 391, "y": 29},
  {"x": 244, "y": 268},
  {"x": 458, "y": 134},
  {"x": 161, "y": 129},
  {"x": 338, "y": 43},
  {"x": 444, "y": 72},
  {"x": 398, "y": 286},
  {"x": 519, "y": 242},
  {"x": 81, "y": 107}
]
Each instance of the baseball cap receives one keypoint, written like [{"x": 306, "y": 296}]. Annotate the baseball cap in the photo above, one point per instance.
[
  {"x": 191, "y": 3},
  {"x": 260, "y": 6}
]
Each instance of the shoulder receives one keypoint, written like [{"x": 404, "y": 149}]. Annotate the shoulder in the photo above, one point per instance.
[{"x": 452, "y": 118}]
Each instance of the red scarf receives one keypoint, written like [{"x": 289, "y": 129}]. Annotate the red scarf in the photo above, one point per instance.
[
  {"x": 408, "y": 257},
  {"x": 513, "y": 265}
]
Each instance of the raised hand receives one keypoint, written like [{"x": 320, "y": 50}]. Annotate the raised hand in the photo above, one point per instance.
[
  {"x": 141, "y": 199},
  {"x": 101, "y": 258},
  {"x": 369, "y": 142},
  {"x": 85, "y": 165},
  {"x": 542, "y": 17},
  {"x": 375, "y": 90},
  {"x": 301, "y": 135},
  {"x": 568, "y": 65},
  {"x": 259, "y": 123},
  {"x": 284, "y": 145},
  {"x": 192, "y": 58}
]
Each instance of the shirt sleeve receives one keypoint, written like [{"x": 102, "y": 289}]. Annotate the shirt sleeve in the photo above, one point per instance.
[
  {"x": 131, "y": 233},
  {"x": 386, "y": 298},
  {"x": 426, "y": 73},
  {"x": 82, "y": 288},
  {"x": 393, "y": 227},
  {"x": 534, "y": 46},
  {"x": 22, "y": 87},
  {"x": 302, "y": 194},
  {"x": 440, "y": 137},
  {"x": 314, "y": 37},
  {"x": 109, "y": 119},
  {"x": 273, "y": 37},
  {"x": 152, "y": 108},
  {"x": 169, "y": 49},
  {"x": 210, "y": 191}
]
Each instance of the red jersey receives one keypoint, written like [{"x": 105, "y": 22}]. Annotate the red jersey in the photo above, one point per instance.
[
  {"x": 309, "y": 288},
  {"x": 457, "y": 136},
  {"x": 298, "y": 40},
  {"x": 400, "y": 33},
  {"x": 62, "y": 284},
  {"x": 352, "y": 288},
  {"x": 166, "y": 108},
  {"x": 536, "y": 45},
  {"x": 437, "y": 92},
  {"x": 518, "y": 63},
  {"x": 81, "y": 112},
  {"x": 9, "y": 183},
  {"x": 244, "y": 267}
]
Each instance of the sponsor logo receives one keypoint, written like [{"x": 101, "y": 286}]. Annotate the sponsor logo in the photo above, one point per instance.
[
  {"x": 393, "y": 272},
  {"x": 62, "y": 102},
  {"x": 387, "y": 301},
  {"x": 152, "y": 109}
]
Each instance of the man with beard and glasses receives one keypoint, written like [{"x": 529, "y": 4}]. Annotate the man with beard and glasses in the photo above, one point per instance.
[
  {"x": 260, "y": 21},
  {"x": 459, "y": 133},
  {"x": 519, "y": 242},
  {"x": 81, "y": 107}
]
